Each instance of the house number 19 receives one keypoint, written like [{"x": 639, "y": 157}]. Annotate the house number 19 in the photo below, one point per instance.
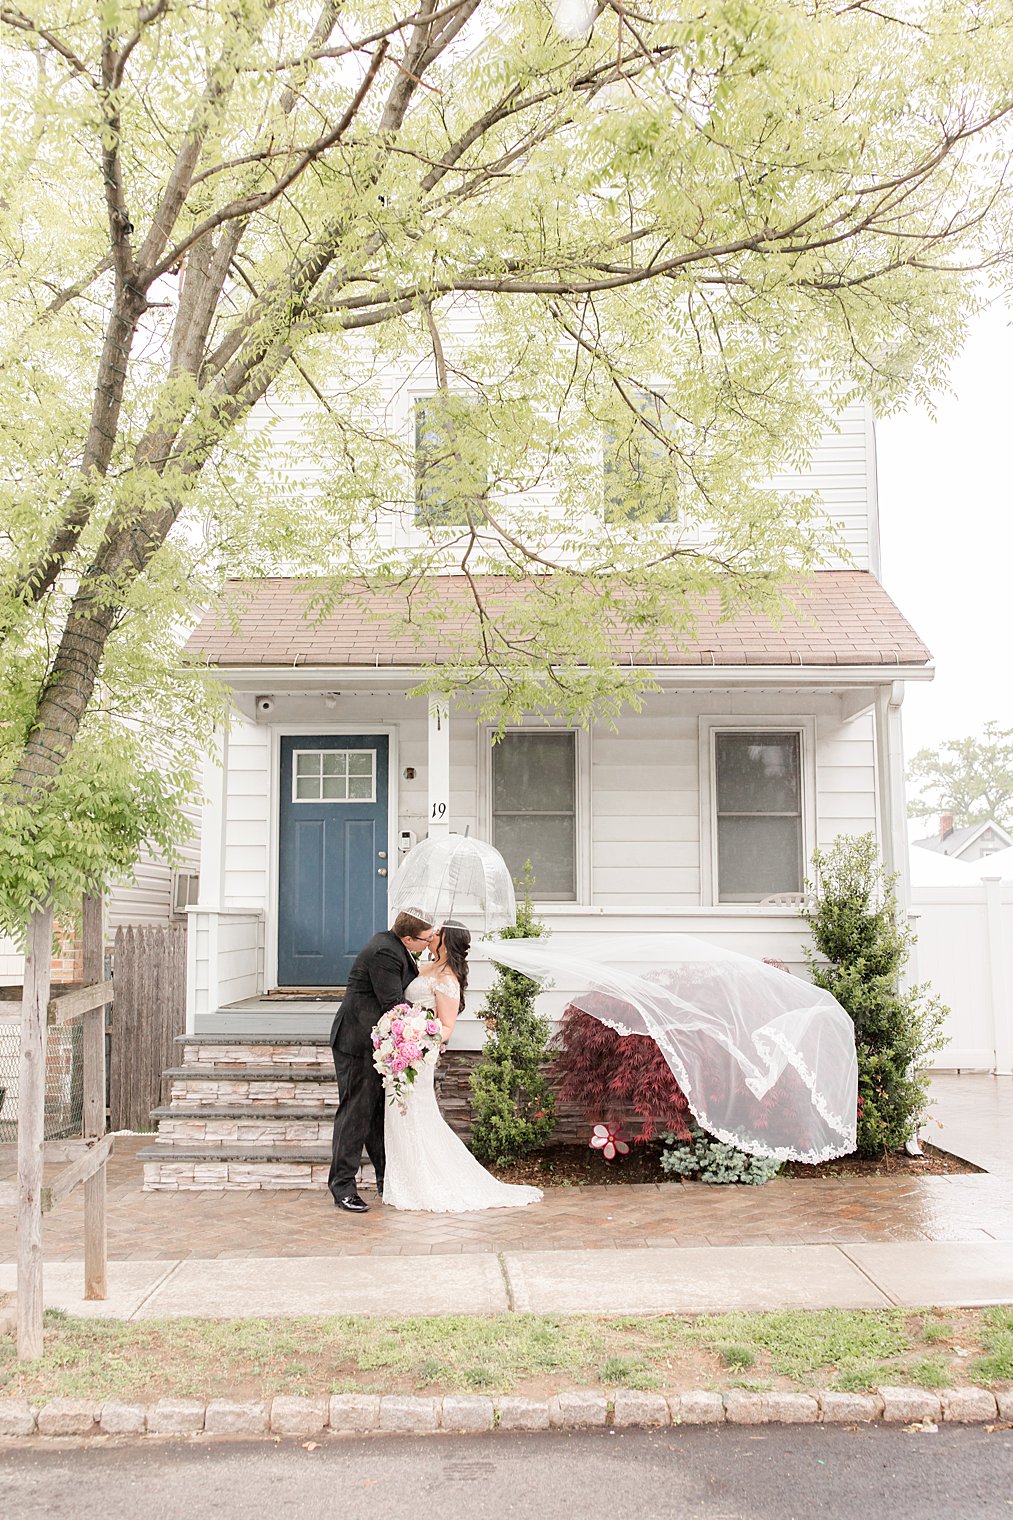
[{"x": 439, "y": 810}]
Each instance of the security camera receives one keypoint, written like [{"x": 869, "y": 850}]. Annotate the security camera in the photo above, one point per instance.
[{"x": 265, "y": 705}]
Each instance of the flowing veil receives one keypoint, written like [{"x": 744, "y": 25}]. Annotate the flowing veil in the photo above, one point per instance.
[{"x": 766, "y": 1060}]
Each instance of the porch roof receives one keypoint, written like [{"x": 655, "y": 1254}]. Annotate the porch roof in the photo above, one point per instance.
[{"x": 845, "y": 619}]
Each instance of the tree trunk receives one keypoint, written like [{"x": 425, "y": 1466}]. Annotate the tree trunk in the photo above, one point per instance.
[
  {"x": 67, "y": 694},
  {"x": 31, "y": 1129}
]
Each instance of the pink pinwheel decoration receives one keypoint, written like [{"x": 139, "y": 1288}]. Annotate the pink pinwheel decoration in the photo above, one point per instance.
[{"x": 608, "y": 1141}]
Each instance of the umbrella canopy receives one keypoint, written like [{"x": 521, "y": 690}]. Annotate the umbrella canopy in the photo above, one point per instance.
[{"x": 449, "y": 875}]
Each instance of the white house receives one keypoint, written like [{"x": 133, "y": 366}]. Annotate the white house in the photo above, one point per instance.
[
  {"x": 975, "y": 841},
  {"x": 699, "y": 814}
]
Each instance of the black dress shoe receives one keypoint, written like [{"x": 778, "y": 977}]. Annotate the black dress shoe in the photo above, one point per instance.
[
  {"x": 352, "y": 1204},
  {"x": 379, "y": 1187}
]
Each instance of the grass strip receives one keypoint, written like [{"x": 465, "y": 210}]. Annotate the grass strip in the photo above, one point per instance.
[{"x": 534, "y": 1354}]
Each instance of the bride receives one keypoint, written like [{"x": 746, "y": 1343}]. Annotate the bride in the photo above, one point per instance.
[{"x": 428, "y": 1167}]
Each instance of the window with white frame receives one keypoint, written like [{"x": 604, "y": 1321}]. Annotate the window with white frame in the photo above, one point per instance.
[
  {"x": 758, "y": 813},
  {"x": 534, "y": 809},
  {"x": 450, "y": 471},
  {"x": 638, "y": 478},
  {"x": 334, "y": 775}
]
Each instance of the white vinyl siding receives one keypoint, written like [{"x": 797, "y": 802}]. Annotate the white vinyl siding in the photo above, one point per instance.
[
  {"x": 146, "y": 897},
  {"x": 842, "y": 472},
  {"x": 639, "y": 837}
]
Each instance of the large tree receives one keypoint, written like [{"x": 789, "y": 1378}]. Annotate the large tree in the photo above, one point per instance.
[
  {"x": 971, "y": 778},
  {"x": 698, "y": 229}
]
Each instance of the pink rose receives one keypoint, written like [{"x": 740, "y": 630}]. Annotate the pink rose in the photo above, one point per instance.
[
  {"x": 398, "y": 1065},
  {"x": 397, "y": 1027},
  {"x": 433, "y": 1026}
]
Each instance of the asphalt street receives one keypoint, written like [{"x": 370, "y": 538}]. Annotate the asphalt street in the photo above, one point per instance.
[{"x": 696, "y": 1473}]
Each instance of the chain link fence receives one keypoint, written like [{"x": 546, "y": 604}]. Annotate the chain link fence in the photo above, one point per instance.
[{"x": 64, "y": 1066}]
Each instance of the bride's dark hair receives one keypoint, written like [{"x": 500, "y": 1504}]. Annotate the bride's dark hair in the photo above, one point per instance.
[{"x": 456, "y": 944}]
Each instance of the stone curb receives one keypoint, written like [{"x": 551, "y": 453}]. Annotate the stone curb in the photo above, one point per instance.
[{"x": 455, "y": 1413}]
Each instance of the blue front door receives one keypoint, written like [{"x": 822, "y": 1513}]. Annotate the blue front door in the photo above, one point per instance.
[{"x": 332, "y": 853}]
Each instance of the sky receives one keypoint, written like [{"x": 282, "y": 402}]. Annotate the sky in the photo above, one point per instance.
[{"x": 946, "y": 518}]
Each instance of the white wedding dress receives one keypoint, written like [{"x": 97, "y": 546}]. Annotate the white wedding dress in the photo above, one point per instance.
[{"x": 428, "y": 1167}]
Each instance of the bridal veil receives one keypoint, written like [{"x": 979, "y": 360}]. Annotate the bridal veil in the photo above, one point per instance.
[{"x": 766, "y": 1060}]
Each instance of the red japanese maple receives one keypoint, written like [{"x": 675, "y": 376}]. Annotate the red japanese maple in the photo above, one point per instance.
[{"x": 610, "y": 1076}]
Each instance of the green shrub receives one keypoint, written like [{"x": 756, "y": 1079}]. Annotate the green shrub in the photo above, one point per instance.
[
  {"x": 713, "y": 1161},
  {"x": 513, "y": 1109},
  {"x": 861, "y": 949}
]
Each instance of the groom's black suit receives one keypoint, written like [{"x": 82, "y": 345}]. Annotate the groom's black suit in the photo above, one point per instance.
[{"x": 382, "y": 971}]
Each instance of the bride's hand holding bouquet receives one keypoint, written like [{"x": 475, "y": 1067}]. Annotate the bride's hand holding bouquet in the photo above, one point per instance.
[{"x": 405, "y": 1039}]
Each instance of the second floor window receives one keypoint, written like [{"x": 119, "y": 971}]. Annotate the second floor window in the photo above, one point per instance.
[
  {"x": 450, "y": 473},
  {"x": 639, "y": 483}
]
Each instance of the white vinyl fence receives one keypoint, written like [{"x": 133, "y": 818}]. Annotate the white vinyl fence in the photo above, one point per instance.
[{"x": 965, "y": 949}]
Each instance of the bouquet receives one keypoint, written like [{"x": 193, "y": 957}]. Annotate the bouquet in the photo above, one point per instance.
[{"x": 405, "y": 1039}]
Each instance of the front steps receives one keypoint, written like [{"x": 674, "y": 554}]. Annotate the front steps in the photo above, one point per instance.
[
  {"x": 249, "y": 1111},
  {"x": 245, "y": 1113}
]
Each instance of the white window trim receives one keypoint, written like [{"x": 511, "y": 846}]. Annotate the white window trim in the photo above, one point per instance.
[
  {"x": 687, "y": 533},
  {"x": 711, "y": 725},
  {"x": 335, "y": 801},
  {"x": 582, "y": 822},
  {"x": 409, "y": 531}
]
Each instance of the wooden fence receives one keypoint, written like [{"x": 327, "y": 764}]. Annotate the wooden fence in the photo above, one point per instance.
[{"x": 149, "y": 974}]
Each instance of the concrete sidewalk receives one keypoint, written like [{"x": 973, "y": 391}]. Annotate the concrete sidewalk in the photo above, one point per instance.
[
  {"x": 688, "y": 1279},
  {"x": 861, "y": 1242}
]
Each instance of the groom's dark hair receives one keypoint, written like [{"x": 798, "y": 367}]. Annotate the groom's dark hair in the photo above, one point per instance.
[{"x": 408, "y": 926}]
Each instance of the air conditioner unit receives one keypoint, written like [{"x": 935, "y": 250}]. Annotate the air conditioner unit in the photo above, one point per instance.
[{"x": 185, "y": 890}]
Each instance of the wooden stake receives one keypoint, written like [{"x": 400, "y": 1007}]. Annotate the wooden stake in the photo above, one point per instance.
[
  {"x": 31, "y": 1129},
  {"x": 94, "y": 1115}
]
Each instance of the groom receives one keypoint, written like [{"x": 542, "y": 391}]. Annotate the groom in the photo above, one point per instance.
[{"x": 382, "y": 971}]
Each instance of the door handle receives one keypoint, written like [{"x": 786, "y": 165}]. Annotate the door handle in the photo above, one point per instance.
[
  {"x": 381, "y": 870},
  {"x": 381, "y": 854}
]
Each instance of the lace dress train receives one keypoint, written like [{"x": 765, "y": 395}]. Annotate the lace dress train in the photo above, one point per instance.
[{"x": 429, "y": 1168}]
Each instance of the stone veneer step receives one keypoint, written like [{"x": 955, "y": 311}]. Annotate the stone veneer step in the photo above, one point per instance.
[
  {"x": 233, "y": 1167},
  {"x": 271, "y": 1125},
  {"x": 251, "y": 1089},
  {"x": 228, "y": 1054}
]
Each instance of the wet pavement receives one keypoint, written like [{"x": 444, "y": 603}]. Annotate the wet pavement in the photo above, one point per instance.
[{"x": 975, "y": 1113}]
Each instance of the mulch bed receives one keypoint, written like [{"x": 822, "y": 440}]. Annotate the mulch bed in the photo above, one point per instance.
[{"x": 580, "y": 1166}]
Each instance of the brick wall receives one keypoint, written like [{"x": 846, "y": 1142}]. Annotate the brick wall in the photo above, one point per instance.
[
  {"x": 453, "y": 1093},
  {"x": 67, "y": 964}
]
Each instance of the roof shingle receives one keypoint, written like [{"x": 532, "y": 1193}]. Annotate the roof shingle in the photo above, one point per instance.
[{"x": 845, "y": 618}]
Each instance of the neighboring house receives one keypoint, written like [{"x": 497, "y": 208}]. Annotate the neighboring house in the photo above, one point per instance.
[
  {"x": 972, "y": 842},
  {"x": 699, "y": 815},
  {"x": 157, "y": 893}
]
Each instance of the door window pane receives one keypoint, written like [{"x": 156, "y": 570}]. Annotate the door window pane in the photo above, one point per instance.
[
  {"x": 758, "y": 787},
  {"x": 334, "y": 775},
  {"x": 534, "y": 810}
]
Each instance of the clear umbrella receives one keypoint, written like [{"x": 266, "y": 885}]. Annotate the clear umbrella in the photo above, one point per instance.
[{"x": 452, "y": 875}]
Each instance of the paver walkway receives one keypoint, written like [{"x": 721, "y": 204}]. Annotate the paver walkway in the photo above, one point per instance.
[
  {"x": 976, "y": 1113},
  {"x": 853, "y": 1242}
]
